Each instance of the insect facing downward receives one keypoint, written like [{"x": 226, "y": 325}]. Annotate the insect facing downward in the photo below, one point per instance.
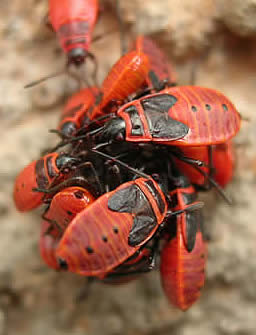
[
  {"x": 113, "y": 228},
  {"x": 74, "y": 22}
]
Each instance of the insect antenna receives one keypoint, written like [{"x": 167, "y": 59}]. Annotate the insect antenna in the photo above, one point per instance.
[
  {"x": 66, "y": 70},
  {"x": 77, "y": 137},
  {"x": 121, "y": 28},
  {"x": 218, "y": 188},
  {"x": 190, "y": 208},
  {"x": 95, "y": 121},
  {"x": 74, "y": 181},
  {"x": 41, "y": 80}
]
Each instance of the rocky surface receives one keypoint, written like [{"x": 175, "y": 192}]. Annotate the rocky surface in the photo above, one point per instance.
[{"x": 217, "y": 38}]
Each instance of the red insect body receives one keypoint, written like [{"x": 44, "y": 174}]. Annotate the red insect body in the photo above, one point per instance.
[
  {"x": 160, "y": 68},
  {"x": 183, "y": 257},
  {"x": 222, "y": 163},
  {"x": 209, "y": 115},
  {"x": 113, "y": 228},
  {"x": 76, "y": 110},
  {"x": 125, "y": 78},
  {"x": 47, "y": 246},
  {"x": 74, "y": 22},
  {"x": 65, "y": 205},
  {"x": 38, "y": 174},
  {"x": 24, "y": 197},
  {"x": 183, "y": 272}
]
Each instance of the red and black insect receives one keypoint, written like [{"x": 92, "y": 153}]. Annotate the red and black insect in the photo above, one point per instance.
[
  {"x": 183, "y": 257},
  {"x": 68, "y": 202},
  {"x": 178, "y": 116},
  {"x": 40, "y": 174},
  {"x": 126, "y": 77},
  {"x": 143, "y": 69},
  {"x": 161, "y": 72},
  {"x": 64, "y": 206},
  {"x": 74, "y": 22},
  {"x": 183, "y": 272},
  {"x": 113, "y": 228}
]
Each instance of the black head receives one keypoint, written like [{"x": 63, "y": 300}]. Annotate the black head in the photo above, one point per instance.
[
  {"x": 68, "y": 129},
  {"x": 179, "y": 181},
  {"x": 62, "y": 264},
  {"x": 77, "y": 56},
  {"x": 114, "y": 130},
  {"x": 66, "y": 161}
]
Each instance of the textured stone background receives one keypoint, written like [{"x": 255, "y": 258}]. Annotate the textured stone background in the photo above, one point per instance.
[{"x": 216, "y": 36}]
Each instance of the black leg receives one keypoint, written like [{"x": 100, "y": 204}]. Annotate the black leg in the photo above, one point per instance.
[
  {"x": 214, "y": 184},
  {"x": 190, "y": 160},
  {"x": 121, "y": 28},
  {"x": 144, "y": 266},
  {"x": 47, "y": 22},
  {"x": 84, "y": 291},
  {"x": 196, "y": 164},
  {"x": 52, "y": 223},
  {"x": 95, "y": 70},
  {"x": 89, "y": 172},
  {"x": 74, "y": 181}
]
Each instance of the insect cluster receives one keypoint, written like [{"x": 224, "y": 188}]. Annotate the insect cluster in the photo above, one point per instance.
[{"x": 120, "y": 188}]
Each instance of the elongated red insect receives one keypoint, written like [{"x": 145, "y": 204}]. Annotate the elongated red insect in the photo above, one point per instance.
[
  {"x": 219, "y": 158},
  {"x": 127, "y": 76},
  {"x": 183, "y": 257},
  {"x": 64, "y": 206},
  {"x": 161, "y": 70},
  {"x": 39, "y": 174},
  {"x": 75, "y": 112},
  {"x": 180, "y": 116},
  {"x": 183, "y": 272},
  {"x": 113, "y": 228},
  {"x": 74, "y": 22}
]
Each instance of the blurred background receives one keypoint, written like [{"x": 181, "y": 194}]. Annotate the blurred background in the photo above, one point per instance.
[{"x": 218, "y": 39}]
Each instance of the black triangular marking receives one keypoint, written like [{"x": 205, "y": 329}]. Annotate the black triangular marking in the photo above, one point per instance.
[
  {"x": 162, "y": 127},
  {"x": 192, "y": 222},
  {"x": 124, "y": 200},
  {"x": 160, "y": 102},
  {"x": 141, "y": 229}
]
